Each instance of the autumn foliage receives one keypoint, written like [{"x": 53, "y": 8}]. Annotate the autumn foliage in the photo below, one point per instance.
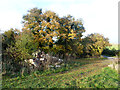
[{"x": 58, "y": 36}]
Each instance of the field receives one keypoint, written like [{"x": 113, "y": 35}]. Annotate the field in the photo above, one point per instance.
[
  {"x": 114, "y": 46},
  {"x": 86, "y": 73}
]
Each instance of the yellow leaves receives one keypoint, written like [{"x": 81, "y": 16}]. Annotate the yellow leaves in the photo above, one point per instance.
[
  {"x": 66, "y": 29},
  {"x": 78, "y": 26},
  {"x": 41, "y": 31},
  {"x": 48, "y": 24},
  {"x": 69, "y": 27},
  {"x": 47, "y": 15},
  {"x": 43, "y": 23},
  {"x": 72, "y": 35},
  {"x": 52, "y": 27},
  {"x": 72, "y": 31},
  {"x": 51, "y": 41},
  {"x": 40, "y": 39},
  {"x": 52, "y": 21},
  {"x": 48, "y": 36},
  {"x": 37, "y": 28},
  {"x": 56, "y": 27},
  {"x": 54, "y": 33},
  {"x": 31, "y": 24},
  {"x": 57, "y": 23},
  {"x": 80, "y": 47},
  {"x": 51, "y": 16}
]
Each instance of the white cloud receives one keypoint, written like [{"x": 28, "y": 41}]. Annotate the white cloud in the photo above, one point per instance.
[{"x": 10, "y": 20}]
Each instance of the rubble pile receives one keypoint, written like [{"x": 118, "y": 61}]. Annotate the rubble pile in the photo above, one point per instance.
[{"x": 42, "y": 60}]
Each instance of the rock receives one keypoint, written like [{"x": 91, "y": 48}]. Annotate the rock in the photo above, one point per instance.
[
  {"x": 116, "y": 67},
  {"x": 111, "y": 65}
]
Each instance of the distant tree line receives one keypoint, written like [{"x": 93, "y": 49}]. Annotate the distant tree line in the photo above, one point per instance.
[{"x": 46, "y": 31}]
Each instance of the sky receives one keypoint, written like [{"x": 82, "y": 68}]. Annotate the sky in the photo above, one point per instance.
[{"x": 99, "y": 16}]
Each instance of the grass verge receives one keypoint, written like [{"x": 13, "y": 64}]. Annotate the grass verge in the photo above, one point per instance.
[{"x": 85, "y": 76}]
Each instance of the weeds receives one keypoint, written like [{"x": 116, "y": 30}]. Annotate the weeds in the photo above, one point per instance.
[{"x": 76, "y": 78}]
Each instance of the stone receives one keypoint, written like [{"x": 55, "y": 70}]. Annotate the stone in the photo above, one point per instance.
[
  {"x": 116, "y": 67},
  {"x": 111, "y": 65}
]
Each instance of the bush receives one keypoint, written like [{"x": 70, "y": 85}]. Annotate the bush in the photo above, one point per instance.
[{"x": 109, "y": 52}]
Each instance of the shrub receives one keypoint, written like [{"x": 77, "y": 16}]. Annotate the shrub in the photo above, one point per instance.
[{"x": 109, "y": 52}]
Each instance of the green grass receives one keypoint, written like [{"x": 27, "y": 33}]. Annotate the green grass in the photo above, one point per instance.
[
  {"x": 92, "y": 59},
  {"x": 106, "y": 79},
  {"x": 64, "y": 67},
  {"x": 89, "y": 75}
]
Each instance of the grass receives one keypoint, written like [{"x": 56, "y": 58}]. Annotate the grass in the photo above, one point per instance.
[
  {"x": 106, "y": 79},
  {"x": 77, "y": 74}
]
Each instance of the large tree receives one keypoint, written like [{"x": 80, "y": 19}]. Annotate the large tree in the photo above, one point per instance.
[
  {"x": 94, "y": 44},
  {"x": 46, "y": 26},
  {"x": 70, "y": 34}
]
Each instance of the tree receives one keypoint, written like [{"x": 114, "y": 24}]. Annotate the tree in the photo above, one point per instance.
[
  {"x": 46, "y": 26},
  {"x": 70, "y": 34},
  {"x": 24, "y": 46},
  {"x": 8, "y": 38},
  {"x": 43, "y": 25},
  {"x": 94, "y": 44}
]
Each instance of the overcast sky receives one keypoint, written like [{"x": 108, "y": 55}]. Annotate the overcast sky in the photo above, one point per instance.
[{"x": 99, "y": 16}]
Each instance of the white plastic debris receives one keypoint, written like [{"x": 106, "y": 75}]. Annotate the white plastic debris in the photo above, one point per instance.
[
  {"x": 25, "y": 60},
  {"x": 60, "y": 60},
  {"x": 31, "y": 62},
  {"x": 58, "y": 66},
  {"x": 41, "y": 59}
]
